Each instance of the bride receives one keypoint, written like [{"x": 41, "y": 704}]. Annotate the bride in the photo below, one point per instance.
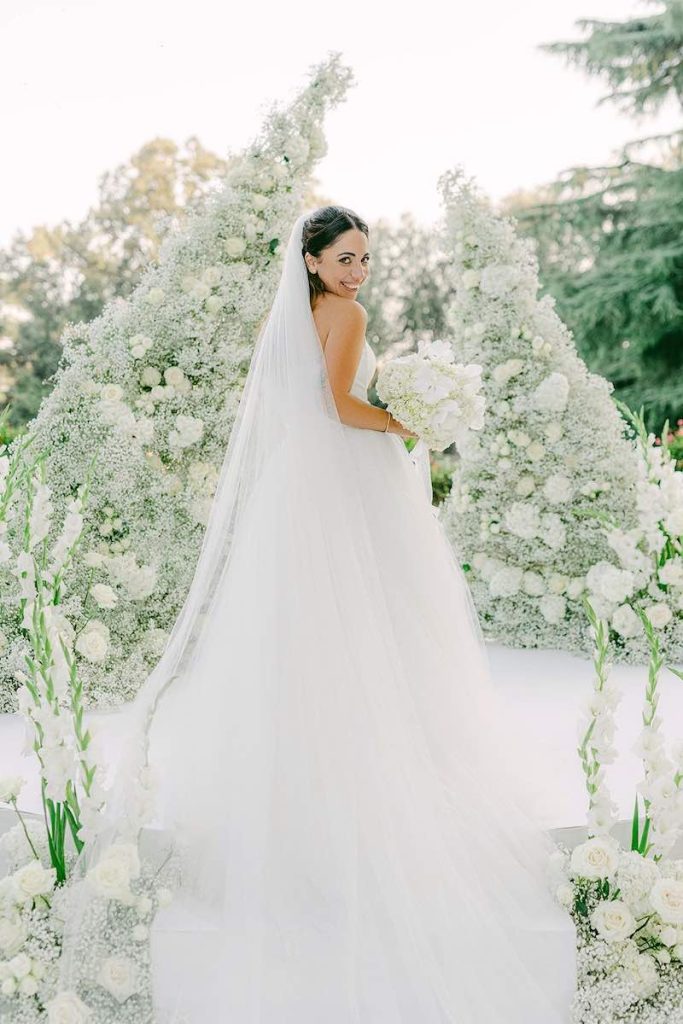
[{"x": 332, "y": 764}]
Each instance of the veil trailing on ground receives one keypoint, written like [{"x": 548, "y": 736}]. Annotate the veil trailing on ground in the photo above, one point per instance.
[{"x": 323, "y": 695}]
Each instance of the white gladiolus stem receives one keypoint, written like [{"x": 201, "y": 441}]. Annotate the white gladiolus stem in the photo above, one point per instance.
[{"x": 601, "y": 721}]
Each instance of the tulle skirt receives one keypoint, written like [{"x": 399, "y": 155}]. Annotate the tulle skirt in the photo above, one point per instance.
[{"x": 340, "y": 772}]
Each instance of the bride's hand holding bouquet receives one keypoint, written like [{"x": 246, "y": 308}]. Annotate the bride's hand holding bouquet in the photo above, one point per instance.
[{"x": 433, "y": 397}]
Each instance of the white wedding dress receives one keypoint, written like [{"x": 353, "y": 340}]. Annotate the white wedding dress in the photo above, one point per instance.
[
  {"x": 372, "y": 874},
  {"x": 334, "y": 765}
]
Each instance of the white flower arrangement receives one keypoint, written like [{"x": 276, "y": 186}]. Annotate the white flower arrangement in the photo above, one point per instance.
[
  {"x": 152, "y": 387},
  {"x": 529, "y": 491},
  {"x": 434, "y": 396}
]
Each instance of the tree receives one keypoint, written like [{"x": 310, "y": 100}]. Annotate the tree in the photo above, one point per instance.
[{"x": 609, "y": 239}]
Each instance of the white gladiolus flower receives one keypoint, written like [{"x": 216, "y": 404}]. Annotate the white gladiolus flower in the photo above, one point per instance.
[
  {"x": 613, "y": 920},
  {"x": 597, "y": 858},
  {"x": 67, "y": 1008},
  {"x": 119, "y": 976},
  {"x": 666, "y": 897},
  {"x": 10, "y": 788}
]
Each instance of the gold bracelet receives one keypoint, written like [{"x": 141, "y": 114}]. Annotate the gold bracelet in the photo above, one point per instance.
[{"x": 388, "y": 421}]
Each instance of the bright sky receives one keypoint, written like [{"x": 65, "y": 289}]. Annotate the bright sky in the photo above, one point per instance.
[{"x": 439, "y": 82}]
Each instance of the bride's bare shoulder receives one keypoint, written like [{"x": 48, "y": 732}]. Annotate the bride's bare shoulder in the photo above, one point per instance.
[{"x": 330, "y": 308}]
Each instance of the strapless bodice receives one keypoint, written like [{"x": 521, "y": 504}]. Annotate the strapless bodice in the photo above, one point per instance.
[{"x": 364, "y": 373}]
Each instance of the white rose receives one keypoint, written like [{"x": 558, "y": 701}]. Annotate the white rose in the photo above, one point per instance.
[
  {"x": 552, "y": 394},
  {"x": 150, "y": 376},
  {"x": 13, "y": 934},
  {"x": 10, "y": 788},
  {"x": 669, "y": 936},
  {"x": 658, "y": 614},
  {"x": 258, "y": 201},
  {"x": 625, "y": 621},
  {"x": 213, "y": 275},
  {"x": 671, "y": 572},
  {"x": 155, "y": 296},
  {"x": 174, "y": 375},
  {"x": 613, "y": 920},
  {"x": 666, "y": 896},
  {"x": 93, "y": 641},
  {"x": 104, "y": 595},
  {"x": 234, "y": 246},
  {"x": 111, "y": 393},
  {"x": 558, "y": 488},
  {"x": 522, "y": 519},
  {"x": 35, "y": 880},
  {"x": 8, "y": 987},
  {"x": 118, "y": 975},
  {"x": 506, "y": 582},
  {"x": 20, "y": 965},
  {"x": 533, "y": 584},
  {"x": 553, "y": 608},
  {"x": 535, "y": 451},
  {"x": 597, "y": 858},
  {"x": 470, "y": 278},
  {"x": 564, "y": 895},
  {"x": 525, "y": 486},
  {"x": 67, "y": 1008},
  {"x": 28, "y": 986},
  {"x": 553, "y": 431},
  {"x": 214, "y": 303}
]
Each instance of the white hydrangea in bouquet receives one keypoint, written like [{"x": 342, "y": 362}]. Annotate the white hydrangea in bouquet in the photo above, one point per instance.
[
  {"x": 435, "y": 397},
  {"x": 152, "y": 387}
]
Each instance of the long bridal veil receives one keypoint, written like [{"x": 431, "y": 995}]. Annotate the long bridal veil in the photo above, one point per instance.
[{"x": 332, "y": 771}]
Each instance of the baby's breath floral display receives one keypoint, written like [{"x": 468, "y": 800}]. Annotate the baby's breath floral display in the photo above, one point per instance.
[
  {"x": 37, "y": 857},
  {"x": 434, "y": 396},
  {"x": 627, "y": 904},
  {"x": 152, "y": 387},
  {"x": 522, "y": 509}
]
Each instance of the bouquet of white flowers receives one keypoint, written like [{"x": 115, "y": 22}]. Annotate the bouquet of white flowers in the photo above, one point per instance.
[{"x": 431, "y": 394}]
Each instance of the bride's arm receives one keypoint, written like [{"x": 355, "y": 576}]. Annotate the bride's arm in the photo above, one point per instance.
[{"x": 343, "y": 349}]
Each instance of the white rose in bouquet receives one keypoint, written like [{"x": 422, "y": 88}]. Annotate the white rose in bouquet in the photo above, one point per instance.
[{"x": 435, "y": 397}]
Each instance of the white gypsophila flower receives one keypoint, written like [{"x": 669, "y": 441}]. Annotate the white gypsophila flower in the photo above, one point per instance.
[
  {"x": 596, "y": 858},
  {"x": 68, "y": 1008},
  {"x": 119, "y": 976},
  {"x": 666, "y": 896},
  {"x": 643, "y": 974},
  {"x": 613, "y": 920}
]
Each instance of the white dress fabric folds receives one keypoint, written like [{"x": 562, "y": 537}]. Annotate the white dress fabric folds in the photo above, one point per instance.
[{"x": 374, "y": 868}]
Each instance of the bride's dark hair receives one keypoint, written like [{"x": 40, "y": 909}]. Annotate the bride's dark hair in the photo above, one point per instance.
[{"x": 320, "y": 230}]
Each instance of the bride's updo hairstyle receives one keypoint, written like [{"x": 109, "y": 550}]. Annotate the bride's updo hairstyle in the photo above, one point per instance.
[{"x": 320, "y": 230}]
